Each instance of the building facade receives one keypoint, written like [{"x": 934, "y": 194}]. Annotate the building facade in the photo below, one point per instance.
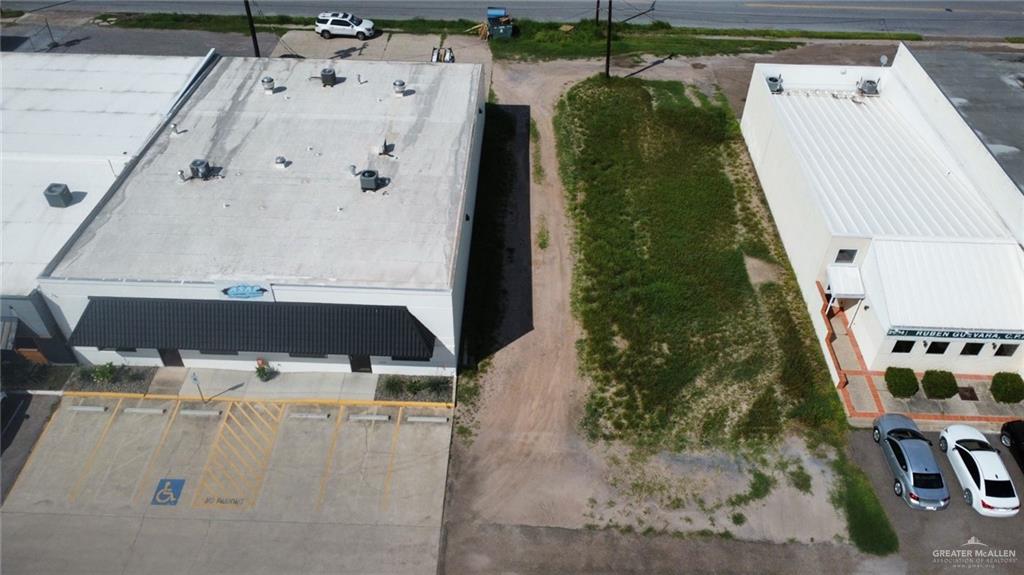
[
  {"x": 315, "y": 215},
  {"x": 890, "y": 207}
]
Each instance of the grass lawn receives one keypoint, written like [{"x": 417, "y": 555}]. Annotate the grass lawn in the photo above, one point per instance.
[{"x": 681, "y": 348}]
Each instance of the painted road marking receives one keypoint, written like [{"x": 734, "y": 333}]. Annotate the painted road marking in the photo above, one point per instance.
[
  {"x": 330, "y": 457},
  {"x": 168, "y": 492},
  {"x": 76, "y": 488},
  {"x": 239, "y": 457},
  {"x": 391, "y": 461},
  {"x": 156, "y": 452}
]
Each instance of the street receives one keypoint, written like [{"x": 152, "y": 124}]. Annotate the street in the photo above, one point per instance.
[{"x": 958, "y": 18}]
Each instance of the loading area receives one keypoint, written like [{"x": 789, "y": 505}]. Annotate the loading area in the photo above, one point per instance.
[{"x": 131, "y": 485}]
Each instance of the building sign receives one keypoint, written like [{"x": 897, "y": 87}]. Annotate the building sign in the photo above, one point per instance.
[
  {"x": 244, "y": 291},
  {"x": 956, "y": 334}
]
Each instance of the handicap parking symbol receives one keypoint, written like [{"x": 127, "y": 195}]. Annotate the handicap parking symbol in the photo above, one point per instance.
[{"x": 168, "y": 491}]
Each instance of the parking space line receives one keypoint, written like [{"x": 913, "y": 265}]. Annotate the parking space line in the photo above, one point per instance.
[
  {"x": 330, "y": 457},
  {"x": 73, "y": 494},
  {"x": 216, "y": 440},
  {"x": 241, "y": 459},
  {"x": 156, "y": 453},
  {"x": 243, "y": 428},
  {"x": 257, "y": 427},
  {"x": 32, "y": 454},
  {"x": 391, "y": 461},
  {"x": 266, "y": 460},
  {"x": 242, "y": 444},
  {"x": 258, "y": 417},
  {"x": 229, "y": 465}
]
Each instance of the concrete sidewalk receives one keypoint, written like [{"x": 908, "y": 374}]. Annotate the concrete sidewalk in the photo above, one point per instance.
[{"x": 231, "y": 384}]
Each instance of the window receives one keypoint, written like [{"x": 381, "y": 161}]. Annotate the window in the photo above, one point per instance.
[
  {"x": 217, "y": 352},
  {"x": 344, "y": 23},
  {"x": 928, "y": 480},
  {"x": 897, "y": 452},
  {"x": 336, "y": 23},
  {"x": 846, "y": 256},
  {"x": 1006, "y": 349},
  {"x": 999, "y": 488},
  {"x": 307, "y": 355},
  {"x": 357, "y": 20},
  {"x": 903, "y": 346},
  {"x": 972, "y": 348},
  {"x": 937, "y": 347},
  {"x": 321, "y": 20},
  {"x": 972, "y": 467}
]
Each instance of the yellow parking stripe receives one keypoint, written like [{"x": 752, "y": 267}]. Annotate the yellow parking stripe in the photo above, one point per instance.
[
  {"x": 259, "y": 427},
  {"x": 237, "y": 455},
  {"x": 73, "y": 494},
  {"x": 156, "y": 452},
  {"x": 241, "y": 443},
  {"x": 256, "y": 415},
  {"x": 330, "y": 457},
  {"x": 257, "y": 401},
  {"x": 391, "y": 461},
  {"x": 32, "y": 454},
  {"x": 216, "y": 440}
]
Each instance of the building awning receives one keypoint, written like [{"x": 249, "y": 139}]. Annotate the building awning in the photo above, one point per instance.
[
  {"x": 844, "y": 281},
  {"x": 8, "y": 331},
  {"x": 265, "y": 327}
]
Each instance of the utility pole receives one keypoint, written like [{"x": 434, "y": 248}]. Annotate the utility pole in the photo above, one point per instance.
[
  {"x": 597, "y": 13},
  {"x": 252, "y": 29},
  {"x": 608, "y": 45}
]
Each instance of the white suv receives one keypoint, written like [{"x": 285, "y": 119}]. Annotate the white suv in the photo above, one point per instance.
[{"x": 330, "y": 24}]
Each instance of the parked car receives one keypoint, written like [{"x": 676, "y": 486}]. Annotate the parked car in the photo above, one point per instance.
[
  {"x": 1012, "y": 437},
  {"x": 918, "y": 480},
  {"x": 331, "y": 24},
  {"x": 986, "y": 483}
]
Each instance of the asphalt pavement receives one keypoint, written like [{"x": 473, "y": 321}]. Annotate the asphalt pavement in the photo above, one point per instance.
[
  {"x": 927, "y": 538},
  {"x": 955, "y": 18},
  {"x": 23, "y": 419}
]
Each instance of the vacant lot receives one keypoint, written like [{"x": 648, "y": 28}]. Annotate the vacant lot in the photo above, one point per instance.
[{"x": 229, "y": 487}]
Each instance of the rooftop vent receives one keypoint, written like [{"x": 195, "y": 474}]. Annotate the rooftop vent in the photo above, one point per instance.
[
  {"x": 369, "y": 180},
  {"x": 200, "y": 169},
  {"x": 868, "y": 87},
  {"x": 328, "y": 77},
  {"x": 58, "y": 195},
  {"x": 268, "y": 84},
  {"x": 775, "y": 84},
  {"x": 399, "y": 87}
]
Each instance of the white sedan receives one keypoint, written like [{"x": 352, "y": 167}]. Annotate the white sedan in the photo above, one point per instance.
[{"x": 982, "y": 475}]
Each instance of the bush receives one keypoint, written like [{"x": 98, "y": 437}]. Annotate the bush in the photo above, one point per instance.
[
  {"x": 901, "y": 381},
  {"x": 394, "y": 386},
  {"x": 104, "y": 373},
  {"x": 939, "y": 384},
  {"x": 1007, "y": 387}
]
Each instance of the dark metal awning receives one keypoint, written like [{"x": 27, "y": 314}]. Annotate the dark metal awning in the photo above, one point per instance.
[{"x": 266, "y": 327}]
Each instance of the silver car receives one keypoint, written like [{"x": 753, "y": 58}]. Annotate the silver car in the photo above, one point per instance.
[{"x": 909, "y": 455}]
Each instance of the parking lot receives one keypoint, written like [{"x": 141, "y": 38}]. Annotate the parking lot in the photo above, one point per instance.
[
  {"x": 923, "y": 534},
  {"x": 147, "y": 486}
]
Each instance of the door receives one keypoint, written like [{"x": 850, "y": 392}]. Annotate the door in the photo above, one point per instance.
[
  {"x": 171, "y": 358},
  {"x": 341, "y": 28},
  {"x": 360, "y": 363}
]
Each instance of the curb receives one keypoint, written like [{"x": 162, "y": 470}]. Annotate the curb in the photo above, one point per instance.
[{"x": 50, "y": 392}]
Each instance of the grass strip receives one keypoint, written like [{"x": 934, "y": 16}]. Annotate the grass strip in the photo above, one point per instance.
[{"x": 866, "y": 521}]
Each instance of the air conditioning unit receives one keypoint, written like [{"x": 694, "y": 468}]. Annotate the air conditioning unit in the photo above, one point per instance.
[
  {"x": 868, "y": 87},
  {"x": 369, "y": 180},
  {"x": 775, "y": 84},
  {"x": 58, "y": 195},
  {"x": 200, "y": 169},
  {"x": 328, "y": 77}
]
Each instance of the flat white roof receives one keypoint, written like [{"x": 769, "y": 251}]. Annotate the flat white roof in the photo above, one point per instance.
[
  {"x": 308, "y": 223},
  {"x": 844, "y": 281},
  {"x": 874, "y": 165},
  {"x": 77, "y": 120},
  {"x": 946, "y": 285}
]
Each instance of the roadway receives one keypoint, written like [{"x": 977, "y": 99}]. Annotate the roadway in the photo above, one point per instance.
[{"x": 956, "y": 18}]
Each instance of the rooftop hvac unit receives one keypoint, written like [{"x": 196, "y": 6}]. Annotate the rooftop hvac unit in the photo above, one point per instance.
[
  {"x": 399, "y": 87},
  {"x": 369, "y": 181},
  {"x": 200, "y": 169},
  {"x": 328, "y": 77},
  {"x": 268, "y": 84},
  {"x": 58, "y": 195},
  {"x": 869, "y": 87},
  {"x": 775, "y": 84}
]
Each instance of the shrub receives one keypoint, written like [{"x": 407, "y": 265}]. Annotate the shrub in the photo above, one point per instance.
[
  {"x": 939, "y": 384},
  {"x": 394, "y": 386},
  {"x": 1007, "y": 387},
  {"x": 104, "y": 373},
  {"x": 901, "y": 381}
]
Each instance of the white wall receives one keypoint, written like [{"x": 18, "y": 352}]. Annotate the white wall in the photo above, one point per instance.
[
  {"x": 800, "y": 222},
  {"x": 986, "y": 363},
  {"x": 141, "y": 358}
]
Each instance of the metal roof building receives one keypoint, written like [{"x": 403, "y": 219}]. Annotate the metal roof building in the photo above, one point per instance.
[
  {"x": 78, "y": 120},
  {"x": 287, "y": 190},
  {"x": 885, "y": 198}
]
